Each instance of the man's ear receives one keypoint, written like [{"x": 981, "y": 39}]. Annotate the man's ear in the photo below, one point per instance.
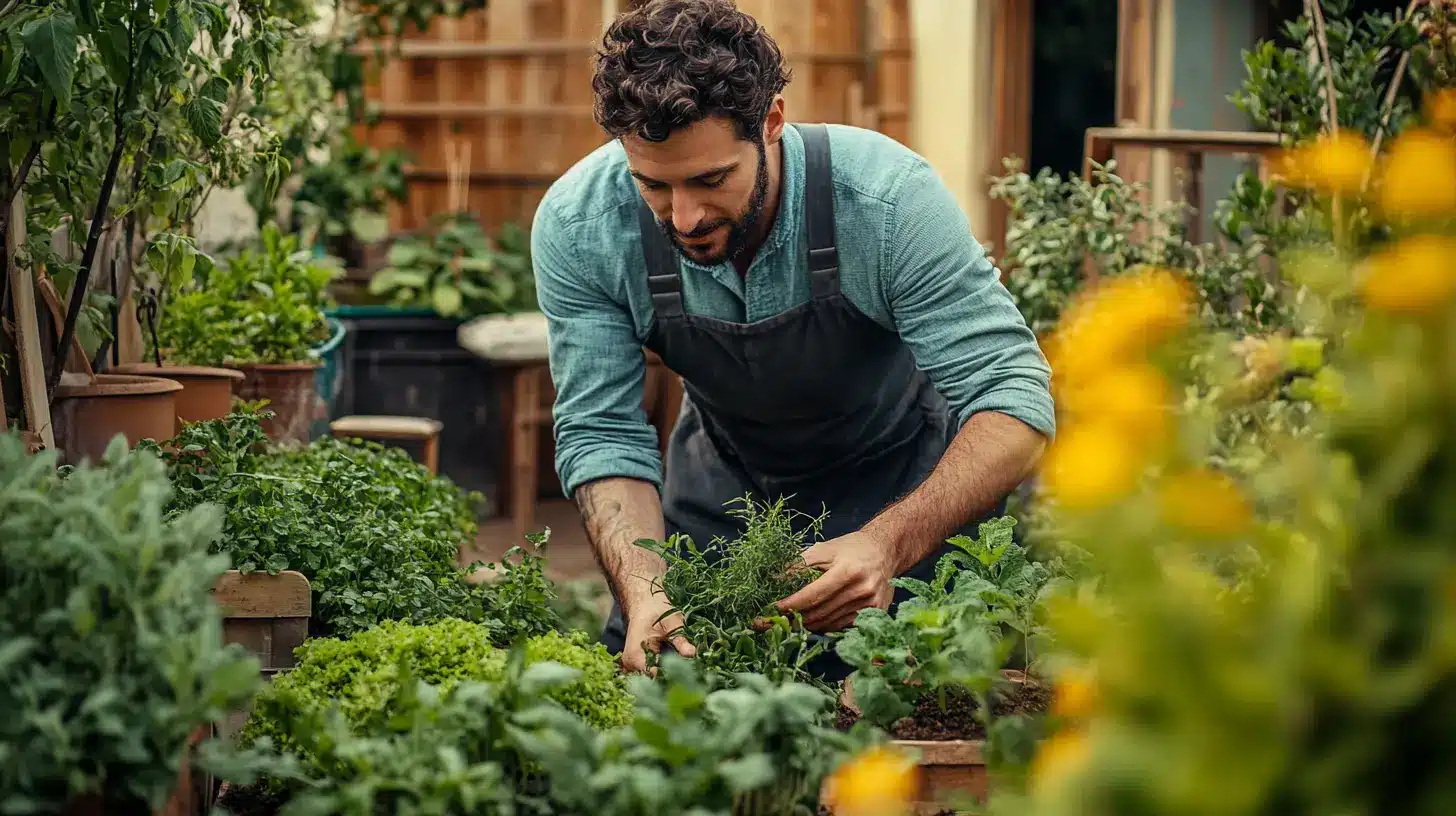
[{"x": 774, "y": 122}]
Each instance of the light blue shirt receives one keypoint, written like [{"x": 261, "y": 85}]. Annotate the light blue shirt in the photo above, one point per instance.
[{"x": 907, "y": 260}]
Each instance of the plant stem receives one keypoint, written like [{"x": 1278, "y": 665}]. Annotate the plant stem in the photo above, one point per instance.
[{"x": 93, "y": 241}]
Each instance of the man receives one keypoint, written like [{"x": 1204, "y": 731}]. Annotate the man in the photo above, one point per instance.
[{"x": 842, "y": 338}]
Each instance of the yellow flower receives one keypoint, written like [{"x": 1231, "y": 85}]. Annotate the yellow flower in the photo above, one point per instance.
[
  {"x": 1091, "y": 465},
  {"x": 1205, "y": 501},
  {"x": 1331, "y": 164},
  {"x": 1117, "y": 319},
  {"x": 878, "y": 782},
  {"x": 1416, "y": 275},
  {"x": 1441, "y": 109},
  {"x": 1059, "y": 757},
  {"x": 1419, "y": 176},
  {"x": 1135, "y": 398},
  {"x": 1076, "y": 694}
]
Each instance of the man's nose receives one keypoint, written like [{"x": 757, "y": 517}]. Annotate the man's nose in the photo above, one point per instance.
[{"x": 687, "y": 212}]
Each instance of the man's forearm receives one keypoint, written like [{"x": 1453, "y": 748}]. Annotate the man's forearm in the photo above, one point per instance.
[
  {"x": 988, "y": 458},
  {"x": 617, "y": 512}
]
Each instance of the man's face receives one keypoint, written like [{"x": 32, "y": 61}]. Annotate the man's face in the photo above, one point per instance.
[{"x": 706, "y": 186}]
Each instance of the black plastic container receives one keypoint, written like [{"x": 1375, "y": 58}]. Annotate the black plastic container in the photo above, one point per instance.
[{"x": 399, "y": 362}]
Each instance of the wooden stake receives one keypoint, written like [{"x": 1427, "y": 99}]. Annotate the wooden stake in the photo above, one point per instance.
[{"x": 33, "y": 396}]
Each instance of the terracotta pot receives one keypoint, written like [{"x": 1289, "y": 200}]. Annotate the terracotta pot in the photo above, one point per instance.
[
  {"x": 88, "y": 413},
  {"x": 291, "y": 394},
  {"x": 207, "y": 393},
  {"x": 950, "y": 771}
]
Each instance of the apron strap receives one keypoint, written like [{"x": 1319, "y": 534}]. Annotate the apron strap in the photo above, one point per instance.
[
  {"x": 819, "y": 210},
  {"x": 664, "y": 279}
]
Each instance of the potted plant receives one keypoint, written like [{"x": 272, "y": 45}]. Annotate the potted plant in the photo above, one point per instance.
[
  {"x": 934, "y": 673},
  {"x": 261, "y": 314},
  {"x": 108, "y": 683}
]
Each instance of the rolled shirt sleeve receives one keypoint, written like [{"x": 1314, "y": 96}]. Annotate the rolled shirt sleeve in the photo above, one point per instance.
[
  {"x": 950, "y": 307},
  {"x": 597, "y": 366}
]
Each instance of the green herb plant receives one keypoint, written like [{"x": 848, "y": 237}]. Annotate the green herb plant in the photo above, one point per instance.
[
  {"x": 264, "y": 306},
  {"x": 459, "y": 271},
  {"x": 375, "y": 533},
  {"x": 956, "y": 632},
  {"x": 111, "y": 652},
  {"x": 723, "y": 589},
  {"x": 700, "y": 742}
]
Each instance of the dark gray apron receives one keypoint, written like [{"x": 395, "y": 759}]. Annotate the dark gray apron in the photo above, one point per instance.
[{"x": 819, "y": 404}]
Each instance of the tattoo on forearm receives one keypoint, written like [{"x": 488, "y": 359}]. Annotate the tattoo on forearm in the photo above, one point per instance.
[{"x": 613, "y": 530}]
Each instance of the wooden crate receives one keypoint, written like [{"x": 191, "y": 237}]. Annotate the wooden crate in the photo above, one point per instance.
[{"x": 268, "y": 615}]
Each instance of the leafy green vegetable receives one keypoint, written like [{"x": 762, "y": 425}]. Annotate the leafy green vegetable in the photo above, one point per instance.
[
  {"x": 111, "y": 652},
  {"x": 697, "y": 745},
  {"x": 363, "y": 677},
  {"x": 439, "y": 752},
  {"x": 723, "y": 588}
]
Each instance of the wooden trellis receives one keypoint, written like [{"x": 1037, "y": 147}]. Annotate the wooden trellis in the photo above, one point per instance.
[{"x": 513, "y": 82}]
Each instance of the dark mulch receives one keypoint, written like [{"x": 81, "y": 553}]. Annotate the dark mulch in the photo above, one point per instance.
[
  {"x": 249, "y": 801},
  {"x": 957, "y": 719}
]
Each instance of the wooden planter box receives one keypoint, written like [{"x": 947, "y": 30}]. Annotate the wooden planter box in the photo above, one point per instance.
[
  {"x": 950, "y": 772},
  {"x": 268, "y": 615}
]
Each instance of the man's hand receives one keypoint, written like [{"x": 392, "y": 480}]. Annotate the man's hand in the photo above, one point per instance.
[
  {"x": 646, "y": 633},
  {"x": 857, "y": 572}
]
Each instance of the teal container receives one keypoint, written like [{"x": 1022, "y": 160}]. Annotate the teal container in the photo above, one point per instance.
[{"x": 327, "y": 379}]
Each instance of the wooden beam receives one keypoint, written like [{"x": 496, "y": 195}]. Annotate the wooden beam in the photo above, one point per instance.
[
  {"x": 1011, "y": 69},
  {"x": 1136, "y": 39},
  {"x": 34, "y": 400}
]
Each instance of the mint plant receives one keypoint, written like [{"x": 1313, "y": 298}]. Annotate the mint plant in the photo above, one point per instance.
[{"x": 111, "y": 652}]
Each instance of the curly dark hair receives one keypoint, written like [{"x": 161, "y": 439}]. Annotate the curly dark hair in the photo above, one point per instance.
[{"x": 670, "y": 63}]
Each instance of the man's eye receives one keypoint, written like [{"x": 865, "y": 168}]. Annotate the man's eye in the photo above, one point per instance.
[{"x": 715, "y": 181}]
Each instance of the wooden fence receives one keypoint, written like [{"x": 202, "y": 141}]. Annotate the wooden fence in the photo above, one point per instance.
[{"x": 503, "y": 95}]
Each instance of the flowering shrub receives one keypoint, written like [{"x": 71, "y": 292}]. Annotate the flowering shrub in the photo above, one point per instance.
[{"x": 1319, "y": 680}]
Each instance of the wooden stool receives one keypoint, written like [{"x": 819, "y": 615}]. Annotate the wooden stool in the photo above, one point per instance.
[{"x": 394, "y": 428}]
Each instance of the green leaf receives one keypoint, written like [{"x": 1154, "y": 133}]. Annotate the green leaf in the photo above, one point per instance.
[
  {"x": 446, "y": 299},
  {"x": 546, "y": 676},
  {"x": 276, "y": 563},
  {"x": 115, "y": 55},
  {"x": 204, "y": 119},
  {"x": 51, "y": 41},
  {"x": 369, "y": 227},
  {"x": 10, "y": 60},
  {"x": 749, "y": 773}
]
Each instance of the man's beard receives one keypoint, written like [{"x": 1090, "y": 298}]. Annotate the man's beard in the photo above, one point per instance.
[{"x": 740, "y": 229}]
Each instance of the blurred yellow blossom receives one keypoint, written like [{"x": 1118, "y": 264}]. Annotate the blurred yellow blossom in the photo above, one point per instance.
[
  {"x": 1415, "y": 275},
  {"x": 1441, "y": 109},
  {"x": 1331, "y": 164},
  {"x": 1058, "y": 757},
  {"x": 1117, "y": 319},
  {"x": 1135, "y": 398},
  {"x": 1419, "y": 175},
  {"x": 1090, "y": 465},
  {"x": 1205, "y": 501},
  {"x": 1075, "y": 695},
  {"x": 878, "y": 782}
]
